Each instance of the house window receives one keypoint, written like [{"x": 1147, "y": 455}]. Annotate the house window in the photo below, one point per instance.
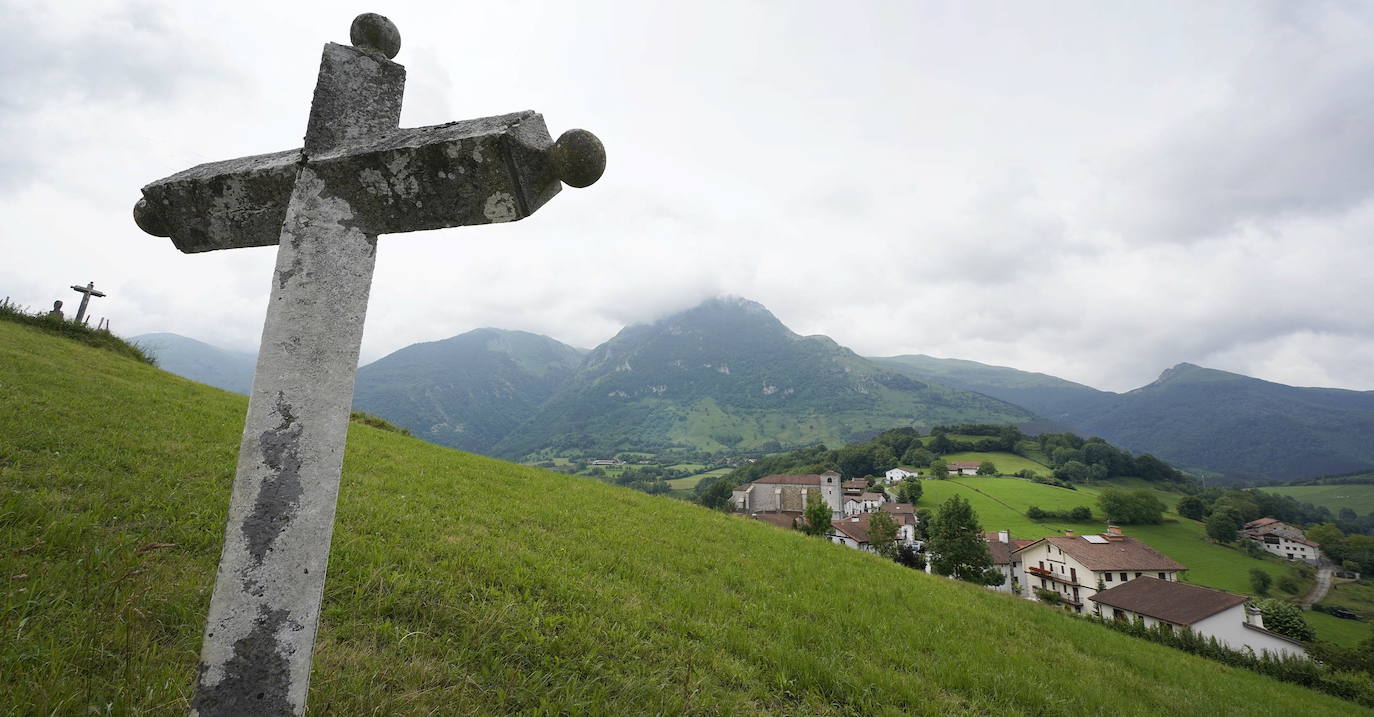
[
  {"x": 1137, "y": 574},
  {"x": 1123, "y": 577},
  {"x": 1162, "y": 577},
  {"x": 1109, "y": 577}
]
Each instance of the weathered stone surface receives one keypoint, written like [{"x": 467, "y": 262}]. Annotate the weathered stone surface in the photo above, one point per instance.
[
  {"x": 477, "y": 171},
  {"x": 374, "y": 32},
  {"x": 281, "y": 514},
  {"x": 357, "y": 95}
]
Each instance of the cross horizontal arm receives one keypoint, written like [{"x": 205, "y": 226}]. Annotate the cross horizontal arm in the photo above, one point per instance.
[{"x": 493, "y": 169}]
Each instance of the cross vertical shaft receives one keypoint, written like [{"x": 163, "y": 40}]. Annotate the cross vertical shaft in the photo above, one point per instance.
[{"x": 265, "y": 609}]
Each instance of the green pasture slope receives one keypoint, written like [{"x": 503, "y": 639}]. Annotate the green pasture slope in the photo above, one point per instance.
[
  {"x": 1006, "y": 463},
  {"x": 1001, "y": 504},
  {"x": 1359, "y": 498},
  {"x": 466, "y": 585}
]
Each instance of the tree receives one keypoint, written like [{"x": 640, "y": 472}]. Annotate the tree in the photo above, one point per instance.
[
  {"x": 854, "y": 461},
  {"x": 882, "y": 534},
  {"x": 1192, "y": 507},
  {"x": 1285, "y": 618},
  {"x": 923, "y": 521},
  {"x": 1260, "y": 581},
  {"x": 917, "y": 456},
  {"x": 1223, "y": 524},
  {"x": 1135, "y": 507},
  {"x": 1325, "y": 534},
  {"x": 939, "y": 469},
  {"x": 986, "y": 468},
  {"x": 1072, "y": 471},
  {"x": 717, "y": 495},
  {"x": 884, "y": 459},
  {"x": 957, "y": 546},
  {"x": 909, "y": 491},
  {"x": 941, "y": 444},
  {"x": 817, "y": 515}
]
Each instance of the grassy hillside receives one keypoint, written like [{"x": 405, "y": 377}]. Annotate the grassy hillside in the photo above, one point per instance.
[
  {"x": 465, "y": 585},
  {"x": 1359, "y": 498}
]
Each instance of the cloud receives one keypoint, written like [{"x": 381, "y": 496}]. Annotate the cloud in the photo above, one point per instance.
[
  {"x": 76, "y": 64},
  {"x": 1290, "y": 134}
]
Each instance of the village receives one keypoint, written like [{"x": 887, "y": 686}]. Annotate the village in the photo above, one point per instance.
[{"x": 1111, "y": 575}]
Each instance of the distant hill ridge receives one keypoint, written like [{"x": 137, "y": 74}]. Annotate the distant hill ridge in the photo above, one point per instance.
[
  {"x": 728, "y": 376},
  {"x": 1197, "y": 418}
]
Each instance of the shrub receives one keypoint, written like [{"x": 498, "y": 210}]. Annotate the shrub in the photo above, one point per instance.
[
  {"x": 1260, "y": 581},
  {"x": 1285, "y": 618}
]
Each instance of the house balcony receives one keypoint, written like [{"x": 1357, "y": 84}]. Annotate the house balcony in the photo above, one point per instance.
[{"x": 1057, "y": 577}]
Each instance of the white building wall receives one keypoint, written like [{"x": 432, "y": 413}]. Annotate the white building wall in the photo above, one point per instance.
[{"x": 1228, "y": 627}]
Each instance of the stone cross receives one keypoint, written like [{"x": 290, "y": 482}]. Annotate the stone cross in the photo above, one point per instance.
[
  {"x": 86, "y": 292},
  {"x": 357, "y": 176}
]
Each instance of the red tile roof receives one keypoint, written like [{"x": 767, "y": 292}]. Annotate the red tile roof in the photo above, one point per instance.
[
  {"x": 1168, "y": 601},
  {"x": 782, "y": 520},
  {"x": 1123, "y": 553},
  {"x": 1000, "y": 551},
  {"x": 780, "y": 479}
]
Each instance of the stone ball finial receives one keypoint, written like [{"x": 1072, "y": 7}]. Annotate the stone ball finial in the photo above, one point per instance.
[
  {"x": 373, "y": 31},
  {"x": 578, "y": 158},
  {"x": 147, "y": 219}
]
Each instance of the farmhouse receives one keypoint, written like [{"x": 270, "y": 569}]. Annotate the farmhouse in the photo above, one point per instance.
[
  {"x": 1282, "y": 539},
  {"x": 853, "y": 531},
  {"x": 1207, "y": 612},
  {"x": 1003, "y": 547},
  {"x": 1077, "y": 567},
  {"x": 865, "y": 502},
  {"x": 899, "y": 474},
  {"x": 788, "y": 493},
  {"x": 905, "y": 515},
  {"x": 964, "y": 468}
]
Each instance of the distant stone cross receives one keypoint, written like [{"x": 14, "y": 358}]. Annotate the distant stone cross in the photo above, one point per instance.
[
  {"x": 358, "y": 176},
  {"x": 86, "y": 292}
]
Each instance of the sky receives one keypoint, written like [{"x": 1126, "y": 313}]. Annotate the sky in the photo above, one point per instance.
[{"x": 1093, "y": 190}]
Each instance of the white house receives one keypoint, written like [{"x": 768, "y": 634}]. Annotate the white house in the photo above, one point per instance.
[
  {"x": 1282, "y": 539},
  {"x": 1077, "y": 567},
  {"x": 788, "y": 493},
  {"x": 1207, "y": 612},
  {"x": 900, "y": 473},
  {"x": 1003, "y": 547},
  {"x": 865, "y": 502}
]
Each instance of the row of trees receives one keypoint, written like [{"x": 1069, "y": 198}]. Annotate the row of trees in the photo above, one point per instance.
[{"x": 1075, "y": 459}]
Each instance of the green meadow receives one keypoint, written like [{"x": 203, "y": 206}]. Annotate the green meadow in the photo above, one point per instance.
[
  {"x": 1359, "y": 498},
  {"x": 462, "y": 585},
  {"x": 1006, "y": 463},
  {"x": 1001, "y": 504}
]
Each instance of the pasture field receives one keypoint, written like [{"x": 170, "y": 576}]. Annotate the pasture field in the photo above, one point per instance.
[
  {"x": 1358, "y": 597},
  {"x": 464, "y": 585},
  {"x": 1347, "y": 633},
  {"x": 1359, "y": 498},
  {"x": 1001, "y": 504},
  {"x": 1007, "y": 463}
]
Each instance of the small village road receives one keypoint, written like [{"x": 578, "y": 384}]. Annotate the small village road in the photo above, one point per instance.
[{"x": 1319, "y": 590}]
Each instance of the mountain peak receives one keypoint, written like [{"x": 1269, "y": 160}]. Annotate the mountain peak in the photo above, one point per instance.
[{"x": 1191, "y": 373}]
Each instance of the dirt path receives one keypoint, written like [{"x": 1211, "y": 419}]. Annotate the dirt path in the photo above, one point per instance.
[{"x": 1319, "y": 590}]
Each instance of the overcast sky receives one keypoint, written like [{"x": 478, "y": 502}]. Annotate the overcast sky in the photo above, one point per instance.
[{"x": 1092, "y": 190}]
